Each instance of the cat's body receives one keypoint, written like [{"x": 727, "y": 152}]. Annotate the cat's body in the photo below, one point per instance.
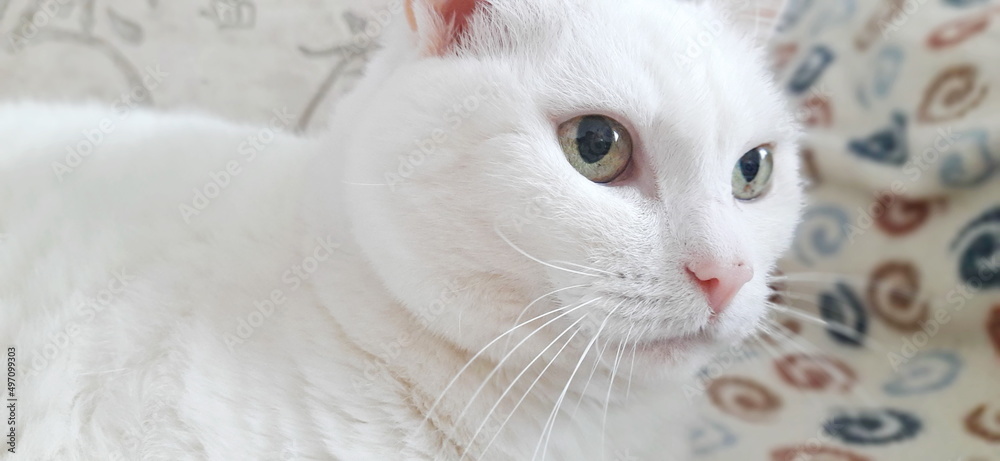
[
  {"x": 198, "y": 290},
  {"x": 157, "y": 349}
]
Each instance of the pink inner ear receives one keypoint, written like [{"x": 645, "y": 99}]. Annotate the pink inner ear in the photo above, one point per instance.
[
  {"x": 457, "y": 13},
  {"x": 454, "y": 14}
]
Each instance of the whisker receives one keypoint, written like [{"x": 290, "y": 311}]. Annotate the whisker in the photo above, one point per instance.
[
  {"x": 514, "y": 382},
  {"x": 816, "y": 404},
  {"x": 814, "y": 401},
  {"x": 526, "y": 393},
  {"x": 611, "y": 384},
  {"x": 592, "y": 370},
  {"x": 539, "y": 261},
  {"x": 811, "y": 298},
  {"x": 597, "y": 362},
  {"x": 834, "y": 326},
  {"x": 858, "y": 391},
  {"x": 816, "y": 277},
  {"x": 511, "y": 352},
  {"x": 550, "y": 423},
  {"x": 523, "y": 311},
  {"x": 878, "y": 284},
  {"x": 631, "y": 367},
  {"x": 810, "y": 350},
  {"x": 799, "y": 297},
  {"x": 469, "y": 363}
]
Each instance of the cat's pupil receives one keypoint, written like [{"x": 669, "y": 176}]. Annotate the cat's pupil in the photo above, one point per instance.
[
  {"x": 594, "y": 139},
  {"x": 750, "y": 165}
]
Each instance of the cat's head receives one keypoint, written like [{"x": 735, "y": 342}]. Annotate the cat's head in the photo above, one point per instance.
[{"x": 627, "y": 162}]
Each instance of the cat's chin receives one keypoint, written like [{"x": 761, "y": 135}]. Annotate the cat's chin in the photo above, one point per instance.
[{"x": 678, "y": 349}]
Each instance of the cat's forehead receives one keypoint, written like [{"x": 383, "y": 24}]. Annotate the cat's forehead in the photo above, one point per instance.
[{"x": 672, "y": 69}]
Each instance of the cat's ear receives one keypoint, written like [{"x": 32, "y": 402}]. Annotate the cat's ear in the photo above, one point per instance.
[
  {"x": 439, "y": 24},
  {"x": 759, "y": 18}
]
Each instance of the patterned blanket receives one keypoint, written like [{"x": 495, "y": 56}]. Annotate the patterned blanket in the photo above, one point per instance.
[
  {"x": 891, "y": 351},
  {"x": 885, "y": 340}
]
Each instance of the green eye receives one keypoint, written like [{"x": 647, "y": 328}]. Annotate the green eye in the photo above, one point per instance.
[
  {"x": 752, "y": 173},
  {"x": 596, "y": 146}
]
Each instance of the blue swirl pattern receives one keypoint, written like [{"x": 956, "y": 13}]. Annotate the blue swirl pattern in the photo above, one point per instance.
[
  {"x": 823, "y": 232},
  {"x": 794, "y": 12},
  {"x": 874, "y": 426},
  {"x": 888, "y": 145},
  {"x": 709, "y": 437},
  {"x": 979, "y": 259},
  {"x": 928, "y": 372},
  {"x": 811, "y": 69},
  {"x": 955, "y": 173},
  {"x": 843, "y": 309}
]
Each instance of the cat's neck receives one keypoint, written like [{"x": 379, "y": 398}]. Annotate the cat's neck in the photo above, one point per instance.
[{"x": 450, "y": 401}]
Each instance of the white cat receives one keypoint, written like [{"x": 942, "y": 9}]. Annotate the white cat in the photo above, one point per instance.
[{"x": 523, "y": 231}]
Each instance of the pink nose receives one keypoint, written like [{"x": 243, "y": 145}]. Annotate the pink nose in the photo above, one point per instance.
[{"x": 720, "y": 281}]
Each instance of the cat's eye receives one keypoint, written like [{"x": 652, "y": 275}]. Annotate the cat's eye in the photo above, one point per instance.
[
  {"x": 752, "y": 173},
  {"x": 597, "y": 146}
]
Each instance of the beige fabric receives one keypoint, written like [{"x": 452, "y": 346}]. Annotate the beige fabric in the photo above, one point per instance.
[{"x": 240, "y": 59}]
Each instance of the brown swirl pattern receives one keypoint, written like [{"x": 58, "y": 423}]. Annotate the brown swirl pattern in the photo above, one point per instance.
[
  {"x": 954, "y": 92},
  {"x": 817, "y": 373},
  {"x": 872, "y": 30},
  {"x": 958, "y": 31},
  {"x": 984, "y": 422},
  {"x": 902, "y": 215},
  {"x": 819, "y": 112},
  {"x": 809, "y": 167},
  {"x": 777, "y": 287},
  {"x": 792, "y": 326},
  {"x": 892, "y": 295},
  {"x": 743, "y": 398},
  {"x": 783, "y": 54},
  {"x": 993, "y": 328},
  {"x": 815, "y": 453}
]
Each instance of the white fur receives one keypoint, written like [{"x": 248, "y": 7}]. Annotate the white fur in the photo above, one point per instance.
[{"x": 131, "y": 315}]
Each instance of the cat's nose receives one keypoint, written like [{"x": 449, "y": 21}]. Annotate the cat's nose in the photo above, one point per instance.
[{"x": 720, "y": 281}]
